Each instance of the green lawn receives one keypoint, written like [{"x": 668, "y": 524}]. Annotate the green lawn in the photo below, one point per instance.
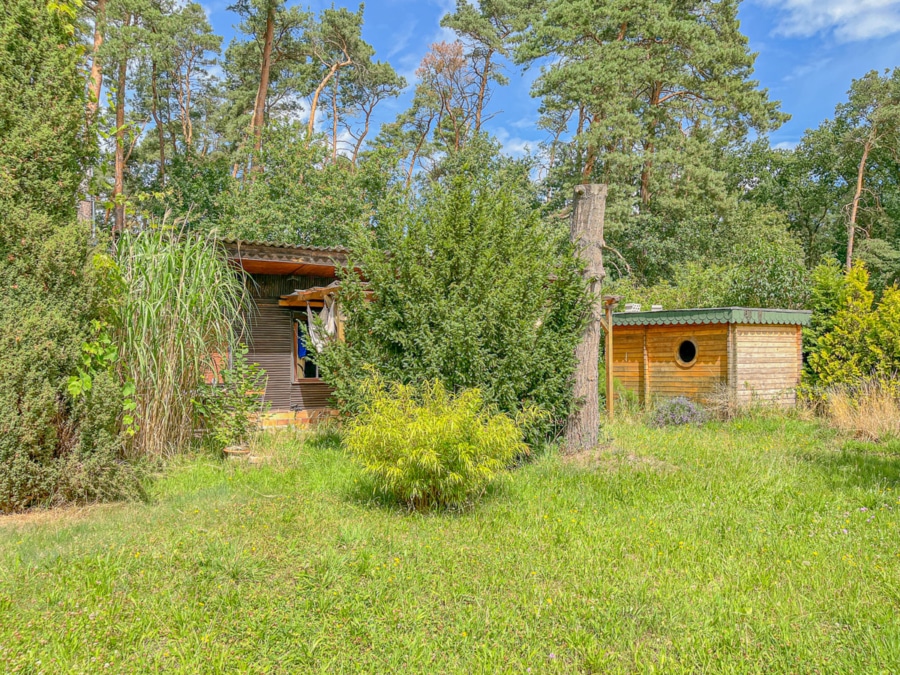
[{"x": 755, "y": 546}]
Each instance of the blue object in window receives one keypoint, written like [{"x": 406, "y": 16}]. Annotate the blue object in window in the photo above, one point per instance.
[{"x": 301, "y": 348}]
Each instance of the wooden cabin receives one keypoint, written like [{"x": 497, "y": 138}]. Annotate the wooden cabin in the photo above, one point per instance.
[
  {"x": 755, "y": 353},
  {"x": 287, "y": 282}
]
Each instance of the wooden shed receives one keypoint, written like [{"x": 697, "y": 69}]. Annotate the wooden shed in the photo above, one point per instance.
[
  {"x": 756, "y": 353},
  {"x": 287, "y": 283}
]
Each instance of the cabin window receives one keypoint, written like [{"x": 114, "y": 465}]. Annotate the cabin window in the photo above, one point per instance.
[
  {"x": 686, "y": 352},
  {"x": 305, "y": 367}
]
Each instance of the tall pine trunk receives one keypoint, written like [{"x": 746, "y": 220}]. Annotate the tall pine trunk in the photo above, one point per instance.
[
  {"x": 85, "y": 210},
  {"x": 259, "y": 108},
  {"x": 854, "y": 209},
  {"x": 119, "y": 185},
  {"x": 157, "y": 120}
]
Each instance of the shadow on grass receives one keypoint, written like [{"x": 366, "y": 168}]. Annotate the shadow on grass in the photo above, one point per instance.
[
  {"x": 860, "y": 464},
  {"x": 364, "y": 492}
]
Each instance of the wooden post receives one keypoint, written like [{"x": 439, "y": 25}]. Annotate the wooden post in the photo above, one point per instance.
[
  {"x": 610, "y": 394},
  {"x": 583, "y": 425}
]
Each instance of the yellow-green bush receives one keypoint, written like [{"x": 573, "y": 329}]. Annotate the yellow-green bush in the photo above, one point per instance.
[
  {"x": 426, "y": 446},
  {"x": 861, "y": 339}
]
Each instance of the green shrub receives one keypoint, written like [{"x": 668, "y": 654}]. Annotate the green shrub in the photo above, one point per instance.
[
  {"x": 55, "y": 446},
  {"x": 469, "y": 287},
  {"x": 427, "y": 447},
  {"x": 230, "y": 408}
]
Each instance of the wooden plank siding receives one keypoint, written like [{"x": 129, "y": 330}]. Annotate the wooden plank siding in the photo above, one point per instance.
[
  {"x": 757, "y": 361},
  {"x": 669, "y": 378},
  {"x": 658, "y": 374},
  {"x": 271, "y": 345},
  {"x": 768, "y": 363},
  {"x": 628, "y": 358}
]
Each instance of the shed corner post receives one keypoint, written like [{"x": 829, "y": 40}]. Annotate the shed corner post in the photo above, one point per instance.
[
  {"x": 609, "y": 301},
  {"x": 731, "y": 366},
  {"x": 646, "y": 382}
]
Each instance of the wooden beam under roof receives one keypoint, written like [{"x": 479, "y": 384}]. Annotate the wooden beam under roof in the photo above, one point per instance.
[
  {"x": 314, "y": 295},
  {"x": 299, "y": 298}
]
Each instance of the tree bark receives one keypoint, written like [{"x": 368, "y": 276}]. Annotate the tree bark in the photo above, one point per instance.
[
  {"x": 259, "y": 108},
  {"x": 85, "y": 206},
  {"x": 583, "y": 425},
  {"x": 854, "y": 210},
  {"x": 160, "y": 132},
  {"x": 482, "y": 90},
  {"x": 318, "y": 92},
  {"x": 334, "y": 119},
  {"x": 119, "y": 185},
  {"x": 96, "y": 77}
]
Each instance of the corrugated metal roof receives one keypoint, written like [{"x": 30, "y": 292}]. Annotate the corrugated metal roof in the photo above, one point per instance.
[
  {"x": 713, "y": 315},
  {"x": 276, "y": 244}
]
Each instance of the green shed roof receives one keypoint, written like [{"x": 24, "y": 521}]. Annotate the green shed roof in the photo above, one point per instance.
[{"x": 713, "y": 315}]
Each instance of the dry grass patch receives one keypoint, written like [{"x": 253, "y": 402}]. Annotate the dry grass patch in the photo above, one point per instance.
[
  {"x": 869, "y": 410},
  {"x": 61, "y": 515}
]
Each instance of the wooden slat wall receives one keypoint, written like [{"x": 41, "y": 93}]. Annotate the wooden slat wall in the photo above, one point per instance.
[
  {"x": 310, "y": 396},
  {"x": 662, "y": 376},
  {"x": 628, "y": 358},
  {"x": 271, "y": 344},
  {"x": 768, "y": 363},
  {"x": 669, "y": 379}
]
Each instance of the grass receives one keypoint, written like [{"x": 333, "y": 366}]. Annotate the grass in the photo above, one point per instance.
[{"x": 756, "y": 546}]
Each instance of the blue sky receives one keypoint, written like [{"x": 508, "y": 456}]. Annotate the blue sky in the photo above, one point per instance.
[{"x": 809, "y": 51}]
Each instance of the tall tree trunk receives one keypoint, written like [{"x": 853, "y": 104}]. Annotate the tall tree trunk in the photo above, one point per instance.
[
  {"x": 482, "y": 90},
  {"x": 85, "y": 206},
  {"x": 362, "y": 136},
  {"x": 96, "y": 77},
  {"x": 649, "y": 148},
  {"x": 119, "y": 185},
  {"x": 583, "y": 425},
  {"x": 334, "y": 119},
  {"x": 259, "y": 108},
  {"x": 854, "y": 209},
  {"x": 160, "y": 131},
  {"x": 318, "y": 92}
]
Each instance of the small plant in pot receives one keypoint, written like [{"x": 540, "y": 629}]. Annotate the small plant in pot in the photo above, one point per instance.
[{"x": 231, "y": 407}]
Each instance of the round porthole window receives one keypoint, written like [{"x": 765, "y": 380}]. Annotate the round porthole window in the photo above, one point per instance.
[{"x": 687, "y": 352}]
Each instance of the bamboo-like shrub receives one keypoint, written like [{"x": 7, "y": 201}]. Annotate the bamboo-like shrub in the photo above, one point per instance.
[
  {"x": 425, "y": 446},
  {"x": 183, "y": 305}
]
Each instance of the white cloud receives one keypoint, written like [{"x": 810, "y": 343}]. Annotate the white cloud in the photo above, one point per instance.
[
  {"x": 805, "y": 69},
  {"x": 785, "y": 145},
  {"x": 848, "y": 20},
  {"x": 513, "y": 145},
  {"x": 400, "y": 40}
]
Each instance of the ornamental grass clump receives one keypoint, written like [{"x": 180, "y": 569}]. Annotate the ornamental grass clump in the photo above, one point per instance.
[
  {"x": 183, "y": 306},
  {"x": 677, "y": 411},
  {"x": 425, "y": 446}
]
